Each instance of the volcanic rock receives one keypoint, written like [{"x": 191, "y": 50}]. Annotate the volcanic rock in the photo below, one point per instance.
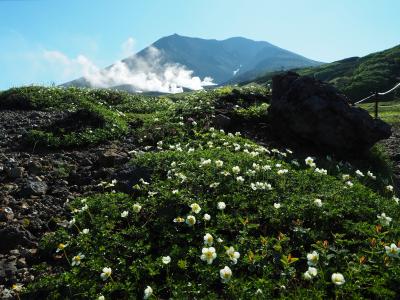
[{"x": 313, "y": 114}]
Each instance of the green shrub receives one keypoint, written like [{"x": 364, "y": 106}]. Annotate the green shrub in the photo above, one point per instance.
[{"x": 272, "y": 227}]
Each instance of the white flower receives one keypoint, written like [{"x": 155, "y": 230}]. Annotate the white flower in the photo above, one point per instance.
[
  {"x": 101, "y": 297},
  {"x": 312, "y": 258},
  {"x": 208, "y": 255},
  {"x": 338, "y": 279},
  {"x": 219, "y": 240},
  {"x": 318, "y": 202},
  {"x": 214, "y": 184},
  {"x": 349, "y": 183},
  {"x": 295, "y": 162},
  {"x": 240, "y": 179},
  {"x": 106, "y": 273},
  {"x": 236, "y": 170},
  {"x": 219, "y": 163},
  {"x": 85, "y": 231},
  {"x": 208, "y": 239},
  {"x": 313, "y": 271},
  {"x": 371, "y": 175},
  {"x": 233, "y": 255},
  {"x": 259, "y": 292},
  {"x": 207, "y": 217},
  {"x": 266, "y": 168},
  {"x": 310, "y": 273},
  {"x": 137, "y": 207},
  {"x": 389, "y": 188},
  {"x": 124, "y": 214},
  {"x": 277, "y": 205},
  {"x": 225, "y": 274},
  {"x": 282, "y": 172},
  {"x": 76, "y": 260},
  {"x": 147, "y": 292},
  {"x": 17, "y": 287},
  {"x": 190, "y": 220},
  {"x": 307, "y": 275},
  {"x": 195, "y": 208},
  {"x": 310, "y": 162},
  {"x": 166, "y": 260},
  {"x": 321, "y": 171},
  {"x": 393, "y": 250},
  {"x": 71, "y": 223},
  {"x": 345, "y": 177},
  {"x": 359, "y": 173},
  {"x": 385, "y": 220},
  {"x": 221, "y": 205},
  {"x": 61, "y": 247},
  {"x": 205, "y": 162},
  {"x": 397, "y": 200},
  {"x": 179, "y": 220}
]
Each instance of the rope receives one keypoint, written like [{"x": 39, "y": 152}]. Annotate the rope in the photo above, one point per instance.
[
  {"x": 391, "y": 90},
  {"x": 380, "y": 94},
  {"x": 362, "y": 100}
]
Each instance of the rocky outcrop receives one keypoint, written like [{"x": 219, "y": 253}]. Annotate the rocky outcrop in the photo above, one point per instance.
[{"x": 313, "y": 114}]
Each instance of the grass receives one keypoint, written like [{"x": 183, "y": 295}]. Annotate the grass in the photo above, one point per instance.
[
  {"x": 279, "y": 209},
  {"x": 387, "y": 111}
]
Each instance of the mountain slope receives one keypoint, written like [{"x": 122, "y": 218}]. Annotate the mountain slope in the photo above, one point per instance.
[
  {"x": 223, "y": 61},
  {"x": 357, "y": 77}
]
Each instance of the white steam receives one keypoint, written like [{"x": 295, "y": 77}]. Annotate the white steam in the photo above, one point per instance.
[{"x": 145, "y": 73}]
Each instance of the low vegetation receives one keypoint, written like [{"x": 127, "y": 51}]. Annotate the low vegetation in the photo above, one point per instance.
[{"x": 217, "y": 215}]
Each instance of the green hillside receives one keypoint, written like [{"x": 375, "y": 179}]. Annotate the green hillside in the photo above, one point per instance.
[{"x": 357, "y": 77}]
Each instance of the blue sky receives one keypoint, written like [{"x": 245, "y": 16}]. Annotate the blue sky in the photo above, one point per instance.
[{"x": 44, "y": 41}]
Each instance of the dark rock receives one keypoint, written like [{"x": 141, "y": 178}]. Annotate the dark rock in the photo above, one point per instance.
[
  {"x": 128, "y": 176},
  {"x": 35, "y": 188},
  {"x": 12, "y": 237},
  {"x": 222, "y": 121},
  {"x": 313, "y": 114},
  {"x": 34, "y": 168},
  {"x": 6, "y": 214},
  {"x": 8, "y": 267},
  {"x": 15, "y": 172},
  {"x": 111, "y": 157}
]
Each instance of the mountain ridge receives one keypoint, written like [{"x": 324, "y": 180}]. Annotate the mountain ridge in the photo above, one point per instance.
[{"x": 223, "y": 60}]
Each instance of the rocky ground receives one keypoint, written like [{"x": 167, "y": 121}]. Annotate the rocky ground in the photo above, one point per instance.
[
  {"x": 36, "y": 184},
  {"x": 392, "y": 146}
]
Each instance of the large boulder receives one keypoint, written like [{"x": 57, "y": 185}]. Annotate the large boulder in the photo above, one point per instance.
[{"x": 313, "y": 114}]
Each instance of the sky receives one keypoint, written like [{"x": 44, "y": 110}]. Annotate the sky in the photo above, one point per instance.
[{"x": 53, "y": 41}]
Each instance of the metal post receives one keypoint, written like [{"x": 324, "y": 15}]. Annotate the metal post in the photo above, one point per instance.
[{"x": 376, "y": 105}]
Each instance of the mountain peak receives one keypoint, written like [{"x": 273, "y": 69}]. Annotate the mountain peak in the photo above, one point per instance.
[{"x": 222, "y": 60}]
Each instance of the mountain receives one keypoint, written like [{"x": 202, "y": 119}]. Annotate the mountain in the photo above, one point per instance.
[
  {"x": 224, "y": 61},
  {"x": 357, "y": 77}
]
